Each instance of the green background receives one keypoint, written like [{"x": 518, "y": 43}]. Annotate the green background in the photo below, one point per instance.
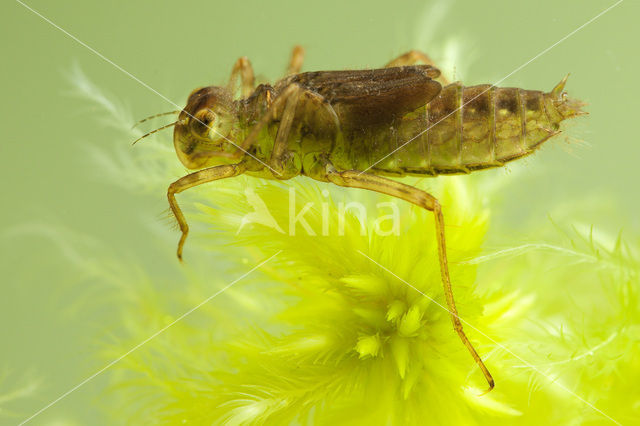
[{"x": 49, "y": 182}]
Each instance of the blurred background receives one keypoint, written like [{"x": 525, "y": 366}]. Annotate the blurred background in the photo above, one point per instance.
[{"x": 50, "y": 184}]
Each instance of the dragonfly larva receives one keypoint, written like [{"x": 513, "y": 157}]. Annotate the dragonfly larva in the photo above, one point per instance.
[{"x": 358, "y": 128}]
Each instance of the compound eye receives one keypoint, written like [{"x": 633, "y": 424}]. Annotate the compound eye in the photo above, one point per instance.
[{"x": 203, "y": 121}]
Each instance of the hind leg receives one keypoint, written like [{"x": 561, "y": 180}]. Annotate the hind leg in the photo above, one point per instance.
[{"x": 355, "y": 179}]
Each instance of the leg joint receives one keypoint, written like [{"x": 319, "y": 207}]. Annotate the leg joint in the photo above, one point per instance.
[{"x": 173, "y": 189}]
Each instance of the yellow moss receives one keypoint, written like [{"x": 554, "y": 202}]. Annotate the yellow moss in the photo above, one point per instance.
[{"x": 368, "y": 346}]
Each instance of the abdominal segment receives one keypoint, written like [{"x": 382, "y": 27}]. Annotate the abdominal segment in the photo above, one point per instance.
[{"x": 461, "y": 130}]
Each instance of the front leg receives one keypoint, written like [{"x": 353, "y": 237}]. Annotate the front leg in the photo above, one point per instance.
[
  {"x": 279, "y": 151},
  {"x": 284, "y": 108},
  {"x": 195, "y": 179},
  {"x": 414, "y": 57},
  {"x": 354, "y": 179},
  {"x": 272, "y": 113}
]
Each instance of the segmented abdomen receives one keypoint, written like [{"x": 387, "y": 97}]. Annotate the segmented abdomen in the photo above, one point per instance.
[{"x": 470, "y": 128}]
